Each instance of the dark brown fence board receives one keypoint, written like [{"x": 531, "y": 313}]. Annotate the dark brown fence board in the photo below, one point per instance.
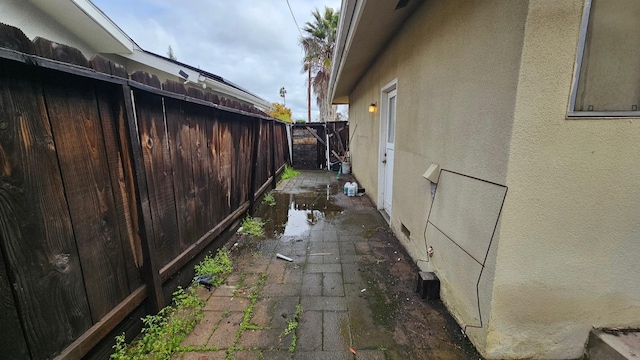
[
  {"x": 219, "y": 209},
  {"x": 158, "y": 170},
  {"x": 225, "y": 167},
  {"x": 37, "y": 236},
  {"x": 140, "y": 204},
  {"x": 12, "y": 342},
  {"x": 200, "y": 169},
  {"x": 101, "y": 328},
  {"x": 77, "y": 131},
  {"x": 14, "y": 39},
  {"x": 242, "y": 148},
  {"x": 111, "y": 108},
  {"x": 60, "y": 52},
  {"x": 179, "y": 129}
]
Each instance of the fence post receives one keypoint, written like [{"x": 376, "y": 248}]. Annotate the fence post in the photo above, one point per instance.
[
  {"x": 135, "y": 169},
  {"x": 272, "y": 140},
  {"x": 254, "y": 164}
]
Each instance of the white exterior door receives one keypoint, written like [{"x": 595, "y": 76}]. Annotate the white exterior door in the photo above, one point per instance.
[{"x": 390, "y": 133}]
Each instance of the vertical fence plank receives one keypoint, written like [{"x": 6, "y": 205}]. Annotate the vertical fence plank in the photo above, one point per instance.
[
  {"x": 35, "y": 225},
  {"x": 200, "y": 173},
  {"x": 110, "y": 108},
  {"x": 158, "y": 170},
  {"x": 12, "y": 342},
  {"x": 75, "y": 121},
  {"x": 179, "y": 129},
  {"x": 140, "y": 204}
]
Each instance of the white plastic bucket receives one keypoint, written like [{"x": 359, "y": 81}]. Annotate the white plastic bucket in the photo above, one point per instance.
[{"x": 346, "y": 167}]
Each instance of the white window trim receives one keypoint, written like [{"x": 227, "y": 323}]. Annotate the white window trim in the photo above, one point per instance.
[{"x": 572, "y": 114}]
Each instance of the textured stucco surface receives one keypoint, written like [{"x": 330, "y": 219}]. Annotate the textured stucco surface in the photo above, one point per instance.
[
  {"x": 33, "y": 23},
  {"x": 569, "y": 240},
  {"x": 456, "y": 63}
]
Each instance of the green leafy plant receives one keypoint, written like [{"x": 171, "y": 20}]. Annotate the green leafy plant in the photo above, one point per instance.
[
  {"x": 289, "y": 172},
  {"x": 269, "y": 199},
  {"x": 164, "y": 331},
  {"x": 251, "y": 226},
  {"x": 292, "y": 325},
  {"x": 219, "y": 266}
]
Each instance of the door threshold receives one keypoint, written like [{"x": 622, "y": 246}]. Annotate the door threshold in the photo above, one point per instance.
[{"x": 385, "y": 215}]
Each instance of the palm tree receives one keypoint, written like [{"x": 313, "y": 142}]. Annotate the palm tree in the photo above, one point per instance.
[{"x": 318, "y": 43}]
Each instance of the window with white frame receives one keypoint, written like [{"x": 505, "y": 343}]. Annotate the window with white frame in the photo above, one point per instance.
[{"x": 608, "y": 72}]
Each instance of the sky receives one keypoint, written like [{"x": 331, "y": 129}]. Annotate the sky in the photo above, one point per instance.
[{"x": 252, "y": 43}]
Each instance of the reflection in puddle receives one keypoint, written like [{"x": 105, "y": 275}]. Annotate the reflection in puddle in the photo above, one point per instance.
[{"x": 294, "y": 215}]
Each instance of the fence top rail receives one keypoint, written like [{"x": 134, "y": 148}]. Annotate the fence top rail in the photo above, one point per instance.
[{"x": 50, "y": 64}]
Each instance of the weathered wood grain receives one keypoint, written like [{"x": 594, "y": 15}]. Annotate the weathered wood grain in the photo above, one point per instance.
[
  {"x": 106, "y": 66},
  {"x": 140, "y": 204},
  {"x": 77, "y": 130},
  {"x": 179, "y": 129},
  {"x": 61, "y": 52},
  {"x": 12, "y": 342},
  {"x": 200, "y": 166},
  {"x": 110, "y": 108},
  {"x": 35, "y": 225},
  {"x": 158, "y": 171}
]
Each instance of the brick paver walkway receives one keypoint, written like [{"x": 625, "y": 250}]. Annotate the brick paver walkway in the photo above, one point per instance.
[{"x": 350, "y": 281}]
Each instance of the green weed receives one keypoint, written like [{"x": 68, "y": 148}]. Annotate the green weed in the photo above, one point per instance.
[
  {"x": 292, "y": 325},
  {"x": 289, "y": 172},
  {"x": 269, "y": 199},
  {"x": 163, "y": 332},
  {"x": 252, "y": 226},
  {"x": 219, "y": 266}
]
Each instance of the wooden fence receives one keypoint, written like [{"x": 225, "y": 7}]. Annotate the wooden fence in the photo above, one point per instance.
[
  {"x": 111, "y": 187},
  {"x": 310, "y": 146}
]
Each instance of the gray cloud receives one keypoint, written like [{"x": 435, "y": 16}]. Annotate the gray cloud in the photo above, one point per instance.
[{"x": 252, "y": 43}]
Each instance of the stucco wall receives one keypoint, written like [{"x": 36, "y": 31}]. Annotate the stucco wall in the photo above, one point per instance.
[
  {"x": 570, "y": 234},
  {"x": 33, "y": 22},
  {"x": 457, "y": 66}
]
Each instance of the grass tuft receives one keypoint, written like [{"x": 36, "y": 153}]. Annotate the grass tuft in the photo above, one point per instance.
[
  {"x": 269, "y": 199},
  {"x": 252, "y": 226},
  {"x": 289, "y": 172}
]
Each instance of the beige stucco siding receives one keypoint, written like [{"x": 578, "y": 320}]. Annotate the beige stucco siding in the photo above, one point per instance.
[
  {"x": 570, "y": 234},
  {"x": 456, "y": 65},
  {"x": 33, "y": 23}
]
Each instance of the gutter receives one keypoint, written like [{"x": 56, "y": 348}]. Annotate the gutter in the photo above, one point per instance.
[{"x": 350, "y": 14}]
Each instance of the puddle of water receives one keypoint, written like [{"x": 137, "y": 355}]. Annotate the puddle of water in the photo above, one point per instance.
[{"x": 294, "y": 215}]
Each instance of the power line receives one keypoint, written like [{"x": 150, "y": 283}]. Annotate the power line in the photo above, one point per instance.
[{"x": 294, "y": 18}]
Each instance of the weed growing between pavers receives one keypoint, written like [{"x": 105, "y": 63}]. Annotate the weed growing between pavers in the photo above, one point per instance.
[
  {"x": 292, "y": 326},
  {"x": 219, "y": 266},
  {"x": 289, "y": 173},
  {"x": 251, "y": 226},
  {"x": 246, "y": 319},
  {"x": 163, "y": 332}
]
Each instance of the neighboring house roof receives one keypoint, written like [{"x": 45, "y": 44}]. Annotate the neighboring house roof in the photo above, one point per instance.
[
  {"x": 365, "y": 27},
  {"x": 86, "y": 21}
]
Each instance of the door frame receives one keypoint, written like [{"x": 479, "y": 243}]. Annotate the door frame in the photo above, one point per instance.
[{"x": 384, "y": 105}]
